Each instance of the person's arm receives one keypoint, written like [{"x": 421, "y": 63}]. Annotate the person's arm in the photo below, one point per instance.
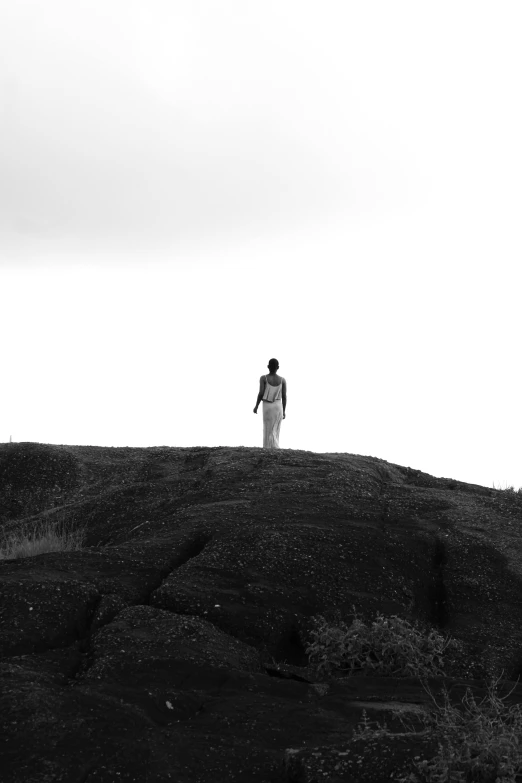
[
  {"x": 284, "y": 398},
  {"x": 261, "y": 392}
]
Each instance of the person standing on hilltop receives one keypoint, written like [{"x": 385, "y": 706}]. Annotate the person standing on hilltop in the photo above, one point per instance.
[{"x": 272, "y": 391}]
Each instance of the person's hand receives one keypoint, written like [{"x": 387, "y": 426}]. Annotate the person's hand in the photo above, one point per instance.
[
  {"x": 255, "y": 410},
  {"x": 284, "y": 415}
]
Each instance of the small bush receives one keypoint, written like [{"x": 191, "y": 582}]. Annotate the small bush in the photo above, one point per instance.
[
  {"x": 391, "y": 646},
  {"x": 481, "y": 744}
]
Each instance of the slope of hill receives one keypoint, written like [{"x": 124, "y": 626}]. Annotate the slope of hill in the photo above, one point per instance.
[{"x": 173, "y": 644}]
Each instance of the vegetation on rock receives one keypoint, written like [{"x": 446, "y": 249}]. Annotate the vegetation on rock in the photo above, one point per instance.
[
  {"x": 482, "y": 743},
  {"x": 391, "y": 646},
  {"x": 51, "y": 536}
]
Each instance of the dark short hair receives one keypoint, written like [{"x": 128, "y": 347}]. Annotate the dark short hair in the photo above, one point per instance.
[{"x": 273, "y": 364}]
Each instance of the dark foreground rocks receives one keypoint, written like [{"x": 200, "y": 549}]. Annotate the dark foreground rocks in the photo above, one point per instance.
[{"x": 172, "y": 645}]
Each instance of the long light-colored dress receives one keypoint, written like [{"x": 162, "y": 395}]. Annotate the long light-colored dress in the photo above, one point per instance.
[{"x": 272, "y": 414}]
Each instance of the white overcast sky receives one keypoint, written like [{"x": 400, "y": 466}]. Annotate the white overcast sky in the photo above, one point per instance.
[{"x": 190, "y": 187}]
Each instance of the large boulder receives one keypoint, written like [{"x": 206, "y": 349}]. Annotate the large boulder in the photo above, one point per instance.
[{"x": 173, "y": 644}]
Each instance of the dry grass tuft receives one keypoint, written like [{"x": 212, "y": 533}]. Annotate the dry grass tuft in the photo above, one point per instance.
[{"x": 47, "y": 535}]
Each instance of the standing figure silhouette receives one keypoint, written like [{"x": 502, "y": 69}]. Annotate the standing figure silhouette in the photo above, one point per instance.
[{"x": 272, "y": 392}]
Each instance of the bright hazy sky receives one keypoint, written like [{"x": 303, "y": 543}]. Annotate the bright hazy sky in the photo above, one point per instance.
[{"x": 190, "y": 187}]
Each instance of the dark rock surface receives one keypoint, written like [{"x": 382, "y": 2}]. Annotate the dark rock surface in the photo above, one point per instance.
[{"x": 172, "y": 646}]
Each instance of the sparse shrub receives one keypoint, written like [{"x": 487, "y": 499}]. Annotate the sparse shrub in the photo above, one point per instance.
[
  {"x": 480, "y": 744},
  {"x": 391, "y": 646}
]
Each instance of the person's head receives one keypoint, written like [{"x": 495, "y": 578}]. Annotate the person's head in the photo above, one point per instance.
[{"x": 273, "y": 365}]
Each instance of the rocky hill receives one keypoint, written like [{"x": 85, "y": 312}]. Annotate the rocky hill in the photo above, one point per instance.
[{"x": 173, "y": 644}]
